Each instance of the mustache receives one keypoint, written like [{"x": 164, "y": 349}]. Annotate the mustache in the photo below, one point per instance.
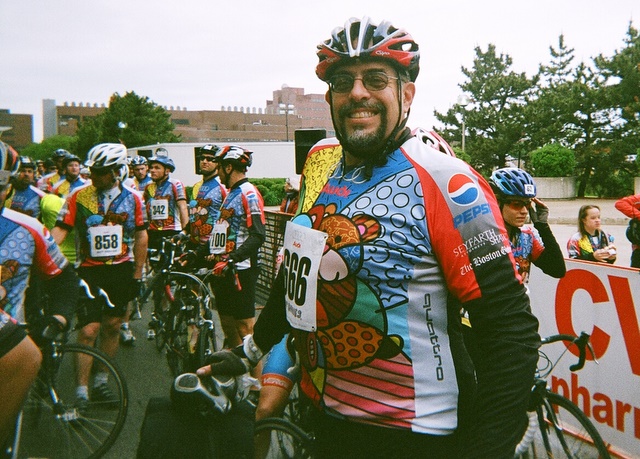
[{"x": 366, "y": 105}]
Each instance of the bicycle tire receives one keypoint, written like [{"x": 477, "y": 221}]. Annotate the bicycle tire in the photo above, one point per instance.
[
  {"x": 286, "y": 440},
  {"x": 54, "y": 427},
  {"x": 576, "y": 437},
  {"x": 185, "y": 294},
  {"x": 206, "y": 344}
]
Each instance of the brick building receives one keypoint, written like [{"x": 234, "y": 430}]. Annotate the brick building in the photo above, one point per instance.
[
  {"x": 290, "y": 109},
  {"x": 15, "y": 129}
]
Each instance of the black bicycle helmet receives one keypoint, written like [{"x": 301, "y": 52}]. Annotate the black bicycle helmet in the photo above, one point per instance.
[
  {"x": 69, "y": 159},
  {"x": 512, "y": 182},
  {"x": 208, "y": 148},
  {"x": 26, "y": 162}
]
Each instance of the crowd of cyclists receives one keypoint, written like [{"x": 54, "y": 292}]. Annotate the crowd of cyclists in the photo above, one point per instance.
[
  {"x": 57, "y": 227},
  {"x": 412, "y": 242}
]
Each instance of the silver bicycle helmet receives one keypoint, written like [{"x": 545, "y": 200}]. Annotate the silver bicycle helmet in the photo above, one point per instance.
[{"x": 107, "y": 155}]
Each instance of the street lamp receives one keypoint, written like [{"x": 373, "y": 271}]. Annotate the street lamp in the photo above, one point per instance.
[
  {"x": 463, "y": 101},
  {"x": 286, "y": 109}
]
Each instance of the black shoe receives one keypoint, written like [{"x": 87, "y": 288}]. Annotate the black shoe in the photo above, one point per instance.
[
  {"x": 103, "y": 396},
  {"x": 82, "y": 405}
]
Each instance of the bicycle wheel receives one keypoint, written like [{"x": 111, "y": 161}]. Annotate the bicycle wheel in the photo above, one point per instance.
[
  {"x": 277, "y": 438},
  {"x": 54, "y": 426},
  {"x": 564, "y": 431}
]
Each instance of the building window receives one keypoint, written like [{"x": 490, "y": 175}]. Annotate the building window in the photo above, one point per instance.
[{"x": 179, "y": 121}]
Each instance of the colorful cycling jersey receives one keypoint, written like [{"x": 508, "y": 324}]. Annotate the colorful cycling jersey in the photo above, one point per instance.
[
  {"x": 204, "y": 208},
  {"x": 104, "y": 234},
  {"x": 46, "y": 182},
  {"x": 64, "y": 187},
  {"x": 161, "y": 200},
  {"x": 376, "y": 347},
  {"x": 526, "y": 250},
  {"x": 26, "y": 201},
  {"x": 582, "y": 246},
  {"x": 140, "y": 185},
  {"x": 24, "y": 244},
  {"x": 242, "y": 204}
]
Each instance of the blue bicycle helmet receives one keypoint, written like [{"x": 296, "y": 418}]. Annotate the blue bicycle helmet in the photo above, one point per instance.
[
  {"x": 164, "y": 160},
  {"x": 138, "y": 161},
  {"x": 512, "y": 182}
]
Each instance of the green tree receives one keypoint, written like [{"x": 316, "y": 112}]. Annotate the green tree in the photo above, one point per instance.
[
  {"x": 550, "y": 110},
  {"x": 44, "y": 149},
  {"x": 621, "y": 73},
  {"x": 494, "y": 118},
  {"x": 130, "y": 119}
]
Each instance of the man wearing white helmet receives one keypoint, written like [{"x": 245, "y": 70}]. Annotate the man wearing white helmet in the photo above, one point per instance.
[
  {"x": 110, "y": 226},
  {"x": 289, "y": 204},
  {"x": 390, "y": 240}
]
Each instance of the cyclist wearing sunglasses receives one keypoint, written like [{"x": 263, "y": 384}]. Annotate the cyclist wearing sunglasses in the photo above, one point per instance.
[
  {"x": 390, "y": 239},
  {"x": 206, "y": 199},
  {"x": 516, "y": 193}
]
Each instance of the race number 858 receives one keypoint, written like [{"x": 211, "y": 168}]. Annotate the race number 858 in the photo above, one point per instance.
[{"x": 105, "y": 241}]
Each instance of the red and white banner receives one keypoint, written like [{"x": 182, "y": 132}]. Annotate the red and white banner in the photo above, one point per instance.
[{"x": 604, "y": 301}]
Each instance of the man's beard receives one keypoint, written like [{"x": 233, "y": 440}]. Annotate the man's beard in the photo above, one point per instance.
[{"x": 358, "y": 143}]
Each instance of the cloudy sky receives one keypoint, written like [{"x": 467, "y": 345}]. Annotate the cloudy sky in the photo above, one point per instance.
[{"x": 205, "y": 54}]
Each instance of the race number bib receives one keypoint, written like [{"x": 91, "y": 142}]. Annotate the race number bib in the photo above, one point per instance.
[
  {"x": 218, "y": 239},
  {"x": 159, "y": 209},
  {"x": 303, "y": 248},
  {"x": 106, "y": 241}
]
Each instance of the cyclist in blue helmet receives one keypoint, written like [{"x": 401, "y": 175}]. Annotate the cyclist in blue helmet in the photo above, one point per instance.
[
  {"x": 167, "y": 212},
  {"x": 516, "y": 193}
]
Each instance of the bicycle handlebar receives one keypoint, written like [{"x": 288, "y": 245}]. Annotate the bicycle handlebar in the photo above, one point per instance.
[
  {"x": 582, "y": 342},
  {"x": 189, "y": 383},
  {"x": 100, "y": 292}
]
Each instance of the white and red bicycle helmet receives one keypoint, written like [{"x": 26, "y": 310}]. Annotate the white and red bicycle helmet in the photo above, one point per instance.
[
  {"x": 361, "y": 38},
  {"x": 435, "y": 140}
]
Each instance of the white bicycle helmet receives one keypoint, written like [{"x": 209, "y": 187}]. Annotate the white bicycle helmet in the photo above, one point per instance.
[
  {"x": 233, "y": 154},
  {"x": 107, "y": 155}
]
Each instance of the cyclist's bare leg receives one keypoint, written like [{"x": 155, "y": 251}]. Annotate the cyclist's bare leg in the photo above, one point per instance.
[
  {"x": 19, "y": 368},
  {"x": 233, "y": 338},
  {"x": 109, "y": 335},
  {"x": 273, "y": 400},
  {"x": 87, "y": 335},
  {"x": 245, "y": 326}
]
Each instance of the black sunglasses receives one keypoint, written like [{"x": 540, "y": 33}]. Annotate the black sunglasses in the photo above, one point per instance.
[
  {"x": 207, "y": 158},
  {"x": 374, "y": 81}
]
